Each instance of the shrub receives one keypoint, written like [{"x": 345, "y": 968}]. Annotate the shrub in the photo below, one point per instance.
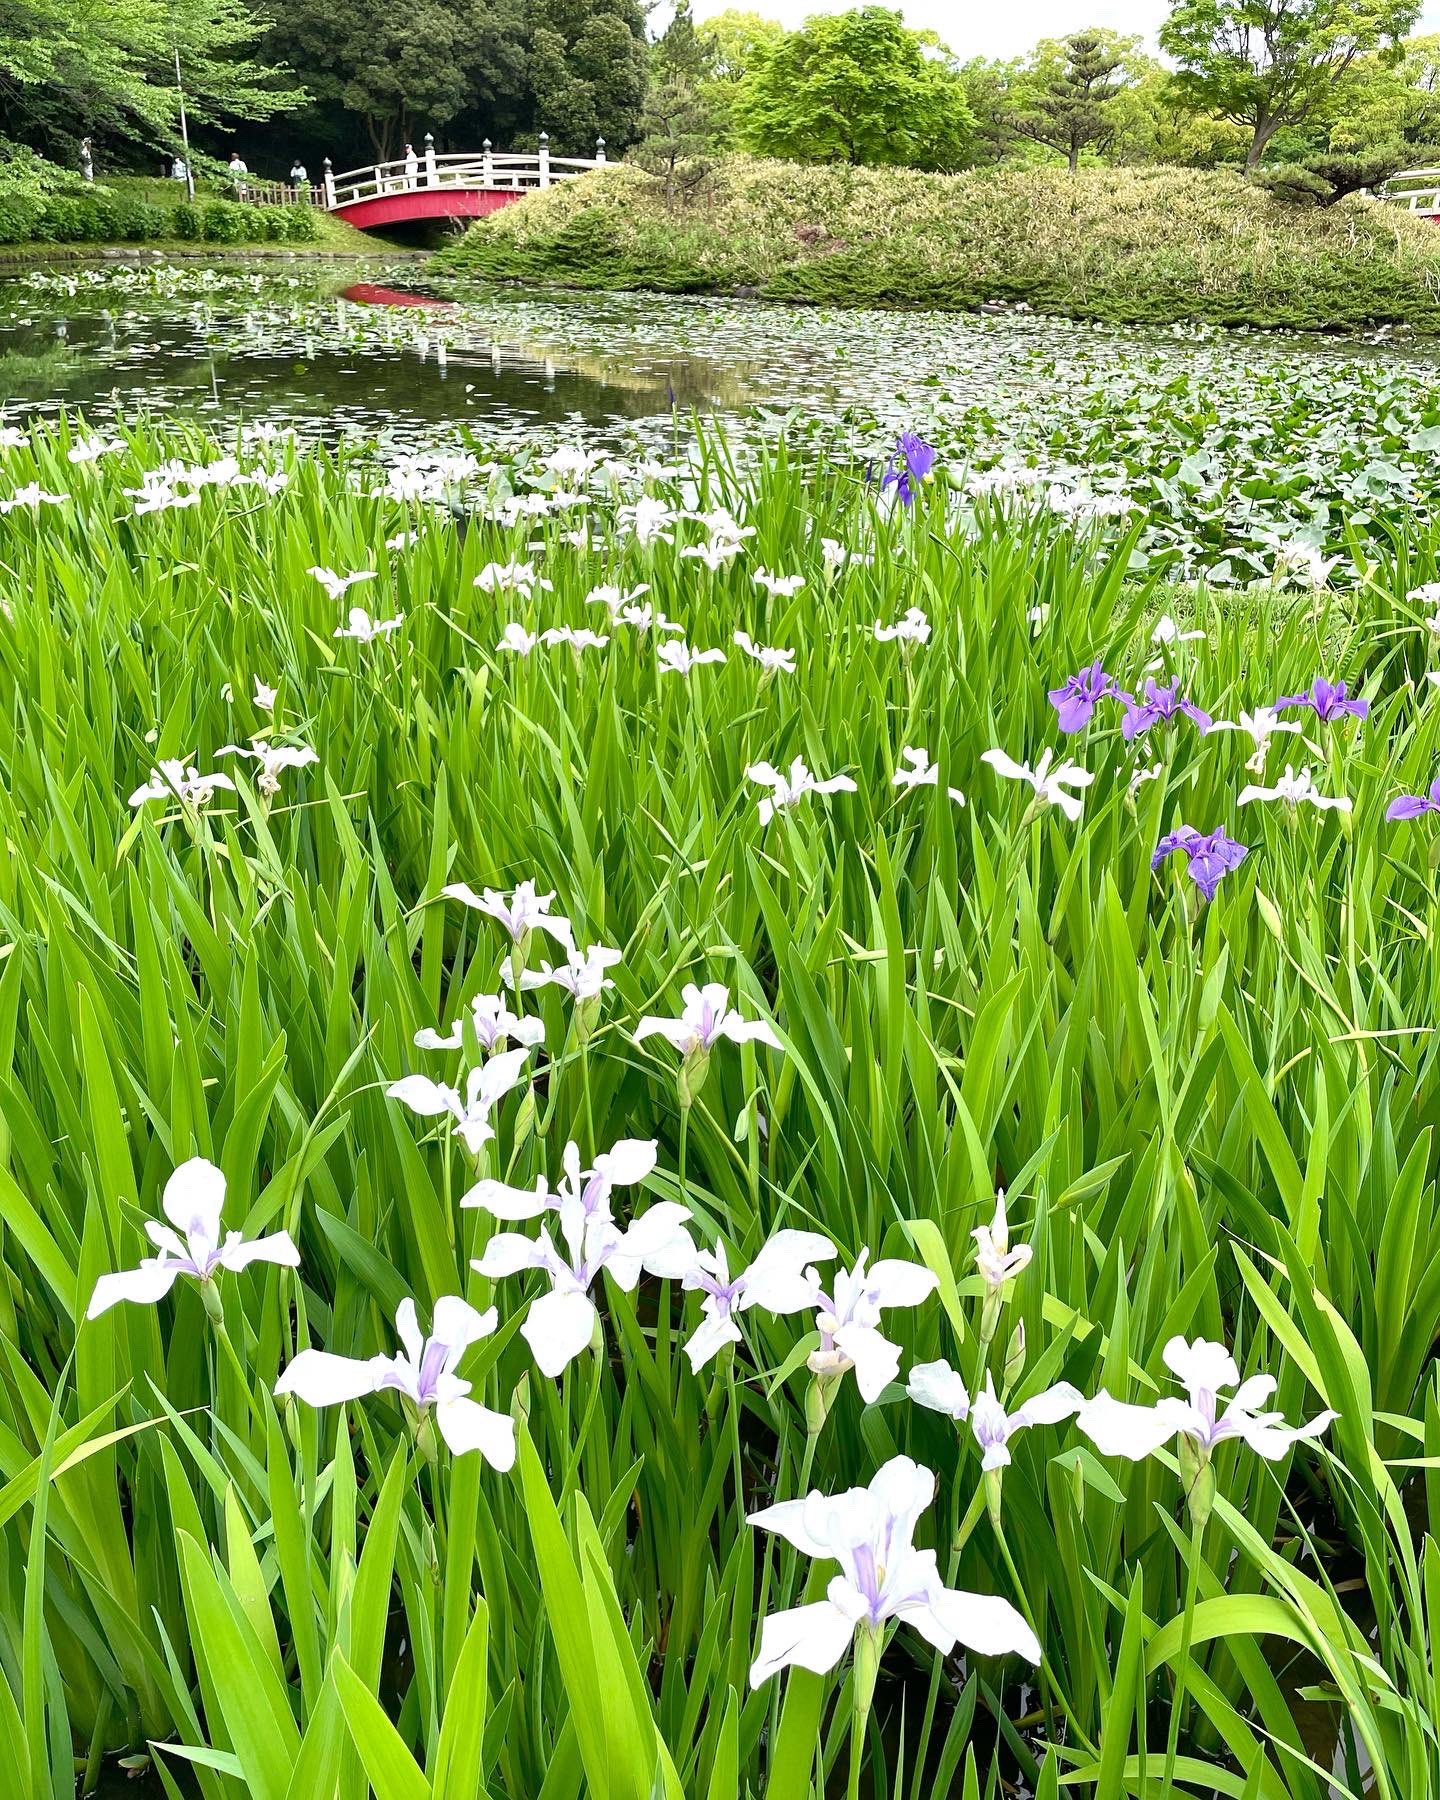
[
  {"x": 302, "y": 224},
  {"x": 1322, "y": 180},
  {"x": 65, "y": 220},
  {"x": 137, "y": 220},
  {"x": 186, "y": 221},
  {"x": 227, "y": 222},
  {"x": 1295, "y": 185},
  {"x": 17, "y": 219}
]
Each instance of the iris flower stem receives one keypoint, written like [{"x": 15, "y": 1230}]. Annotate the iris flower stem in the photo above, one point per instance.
[
  {"x": 1187, "y": 1626},
  {"x": 857, "y": 1750},
  {"x": 734, "y": 1417},
  {"x": 589, "y": 1106},
  {"x": 1048, "y": 1688},
  {"x": 684, "y": 1143},
  {"x": 222, "y": 1337}
]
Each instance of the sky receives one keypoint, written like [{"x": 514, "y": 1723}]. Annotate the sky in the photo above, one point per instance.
[{"x": 972, "y": 29}]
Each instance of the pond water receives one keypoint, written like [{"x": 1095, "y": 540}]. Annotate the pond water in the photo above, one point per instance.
[{"x": 1230, "y": 443}]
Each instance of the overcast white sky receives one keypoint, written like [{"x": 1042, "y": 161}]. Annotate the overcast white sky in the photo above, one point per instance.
[{"x": 973, "y": 29}]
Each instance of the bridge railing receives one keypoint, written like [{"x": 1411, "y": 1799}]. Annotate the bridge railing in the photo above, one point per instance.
[
  {"x": 1417, "y": 190},
  {"x": 510, "y": 170}
]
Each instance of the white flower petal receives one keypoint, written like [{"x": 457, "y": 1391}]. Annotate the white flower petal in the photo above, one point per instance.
[
  {"x": 898, "y": 1283},
  {"x": 1117, "y": 1428},
  {"x": 876, "y": 1359},
  {"x": 938, "y": 1386},
  {"x": 466, "y": 1425},
  {"x": 145, "y": 1285},
  {"x": 506, "y": 1202},
  {"x": 812, "y": 1637},
  {"x": 713, "y": 1332},
  {"x": 193, "y": 1199},
  {"x": 276, "y": 1247},
  {"x": 507, "y": 1253},
  {"x": 985, "y": 1623},
  {"x": 1062, "y": 1401},
  {"x": 321, "y": 1379},
  {"x": 558, "y": 1328},
  {"x": 422, "y": 1095}
]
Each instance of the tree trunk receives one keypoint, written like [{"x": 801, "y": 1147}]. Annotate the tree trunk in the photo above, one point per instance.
[
  {"x": 1074, "y": 158},
  {"x": 1265, "y": 129}
]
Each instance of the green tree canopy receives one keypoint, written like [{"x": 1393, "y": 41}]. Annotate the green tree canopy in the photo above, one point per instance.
[
  {"x": 107, "y": 70},
  {"x": 403, "y": 71},
  {"x": 855, "y": 87},
  {"x": 588, "y": 71},
  {"x": 468, "y": 70},
  {"x": 1267, "y": 64}
]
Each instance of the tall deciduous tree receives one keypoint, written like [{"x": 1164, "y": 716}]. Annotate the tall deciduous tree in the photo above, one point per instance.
[
  {"x": 1273, "y": 63},
  {"x": 855, "y": 87},
  {"x": 588, "y": 72},
  {"x": 1067, "y": 103},
  {"x": 403, "y": 71},
  {"x": 108, "y": 69}
]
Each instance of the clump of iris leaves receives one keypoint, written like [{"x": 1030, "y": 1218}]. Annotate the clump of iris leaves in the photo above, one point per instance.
[{"x": 1211, "y": 1119}]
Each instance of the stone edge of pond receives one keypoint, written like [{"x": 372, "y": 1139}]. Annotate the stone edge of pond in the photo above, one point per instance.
[{"x": 22, "y": 257}]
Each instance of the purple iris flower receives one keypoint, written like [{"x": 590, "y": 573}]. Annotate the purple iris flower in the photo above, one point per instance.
[
  {"x": 1080, "y": 695},
  {"x": 1410, "y": 806},
  {"x": 1159, "y": 705},
  {"x": 1327, "y": 700},
  {"x": 1210, "y": 857},
  {"x": 911, "y": 463}
]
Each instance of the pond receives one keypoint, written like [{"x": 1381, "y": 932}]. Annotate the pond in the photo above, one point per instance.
[{"x": 1233, "y": 445}]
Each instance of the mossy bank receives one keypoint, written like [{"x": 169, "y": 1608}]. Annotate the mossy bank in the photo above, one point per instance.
[{"x": 1156, "y": 246}]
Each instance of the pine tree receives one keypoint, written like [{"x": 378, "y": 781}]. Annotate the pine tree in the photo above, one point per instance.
[{"x": 1071, "y": 111}]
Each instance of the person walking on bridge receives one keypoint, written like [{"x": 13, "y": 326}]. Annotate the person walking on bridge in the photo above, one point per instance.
[{"x": 412, "y": 167}]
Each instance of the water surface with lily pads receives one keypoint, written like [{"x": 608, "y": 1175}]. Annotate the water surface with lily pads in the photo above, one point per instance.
[{"x": 1239, "y": 447}]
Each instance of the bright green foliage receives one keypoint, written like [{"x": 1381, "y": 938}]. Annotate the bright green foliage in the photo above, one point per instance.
[
  {"x": 855, "y": 87},
  {"x": 1272, "y": 63},
  {"x": 403, "y": 70},
  {"x": 109, "y": 69},
  {"x": 1210, "y": 1120}
]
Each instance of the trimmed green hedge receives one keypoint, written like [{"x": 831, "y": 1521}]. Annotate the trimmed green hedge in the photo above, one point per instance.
[{"x": 109, "y": 218}]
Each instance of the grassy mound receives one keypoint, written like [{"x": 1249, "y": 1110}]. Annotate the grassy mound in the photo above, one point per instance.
[{"x": 1136, "y": 245}]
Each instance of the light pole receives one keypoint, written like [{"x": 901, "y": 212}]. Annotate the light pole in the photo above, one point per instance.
[{"x": 184, "y": 122}]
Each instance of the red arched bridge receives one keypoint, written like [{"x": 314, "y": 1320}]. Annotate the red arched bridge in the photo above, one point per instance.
[{"x": 427, "y": 186}]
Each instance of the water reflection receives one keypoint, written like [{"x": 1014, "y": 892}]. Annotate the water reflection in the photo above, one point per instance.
[{"x": 342, "y": 356}]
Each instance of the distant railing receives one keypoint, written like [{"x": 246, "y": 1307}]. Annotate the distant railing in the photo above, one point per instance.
[
  {"x": 495, "y": 169},
  {"x": 279, "y": 193},
  {"x": 1417, "y": 190}
]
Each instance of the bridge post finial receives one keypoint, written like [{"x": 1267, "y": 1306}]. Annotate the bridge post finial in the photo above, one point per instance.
[
  {"x": 430, "y": 159},
  {"x": 599, "y": 149},
  {"x": 487, "y": 165},
  {"x": 328, "y": 180},
  {"x": 544, "y": 159}
]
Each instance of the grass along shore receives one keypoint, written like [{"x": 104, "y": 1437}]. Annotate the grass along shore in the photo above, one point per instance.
[
  {"x": 1212, "y": 1119},
  {"x": 142, "y": 214},
  {"x": 1155, "y": 246}
]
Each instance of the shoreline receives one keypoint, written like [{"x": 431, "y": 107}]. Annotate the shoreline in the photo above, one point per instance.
[
  {"x": 1151, "y": 248},
  {"x": 1340, "y": 332},
  {"x": 21, "y": 257}
]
